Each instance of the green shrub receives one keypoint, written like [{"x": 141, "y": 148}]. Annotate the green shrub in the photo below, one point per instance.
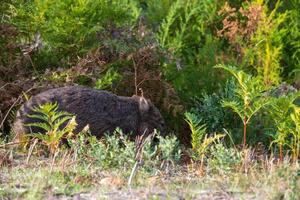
[
  {"x": 155, "y": 11},
  {"x": 187, "y": 32},
  {"x": 223, "y": 159},
  {"x": 69, "y": 28},
  {"x": 291, "y": 48},
  {"x": 117, "y": 151},
  {"x": 255, "y": 31},
  {"x": 267, "y": 42},
  {"x": 10, "y": 54},
  {"x": 169, "y": 149},
  {"x": 113, "y": 151},
  {"x": 106, "y": 81},
  {"x": 215, "y": 116}
]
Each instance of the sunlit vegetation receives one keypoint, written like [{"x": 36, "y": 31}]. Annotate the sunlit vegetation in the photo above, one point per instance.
[{"x": 225, "y": 74}]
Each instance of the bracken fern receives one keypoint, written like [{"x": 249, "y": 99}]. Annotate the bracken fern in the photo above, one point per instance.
[
  {"x": 53, "y": 123},
  {"x": 249, "y": 96}
]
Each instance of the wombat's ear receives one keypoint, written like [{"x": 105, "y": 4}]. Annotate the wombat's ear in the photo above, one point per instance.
[{"x": 143, "y": 104}]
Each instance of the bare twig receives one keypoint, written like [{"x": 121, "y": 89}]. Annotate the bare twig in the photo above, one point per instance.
[
  {"x": 13, "y": 105},
  {"x": 3, "y": 86},
  {"x": 135, "y": 77}
]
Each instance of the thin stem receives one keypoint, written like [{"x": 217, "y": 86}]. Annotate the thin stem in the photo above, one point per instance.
[
  {"x": 245, "y": 132},
  {"x": 280, "y": 153},
  {"x": 135, "y": 77},
  {"x": 201, "y": 164}
]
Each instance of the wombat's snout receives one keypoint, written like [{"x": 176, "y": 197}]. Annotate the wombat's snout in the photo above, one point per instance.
[{"x": 163, "y": 129}]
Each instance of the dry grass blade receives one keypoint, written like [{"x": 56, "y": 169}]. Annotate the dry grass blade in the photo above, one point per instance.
[
  {"x": 12, "y": 143},
  {"x": 4, "y": 159},
  {"x": 53, "y": 159},
  {"x": 31, "y": 150}
]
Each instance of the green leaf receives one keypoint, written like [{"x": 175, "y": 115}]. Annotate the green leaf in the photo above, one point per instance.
[
  {"x": 40, "y": 116},
  {"x": 235, "y": 106},
  {"x": 60, "y": 121},
  {"x": 41, "y": 125}
]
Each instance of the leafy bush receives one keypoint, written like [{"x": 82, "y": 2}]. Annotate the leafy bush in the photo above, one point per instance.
[
  {"x": 268, "y": 39},
  {"x": 252, "y": 37},
  {"x": 155, "y": 11},
  {"x": 209, "y": 108},
  {"x": 117, "y": 151},
  {"x": 108, "y": 79},
  {"x": 69, "y": 28},
  {"x": 291, "y": 48},
  {"x": 169, "y": 149},
  {"x": 187, "y": 32},
  {"x": 256, "y": 33},
  {"x": 10, "y": 55},
  {"x": 223, "y": 159}
]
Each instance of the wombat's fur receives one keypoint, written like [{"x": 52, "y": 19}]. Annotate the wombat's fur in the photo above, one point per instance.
[{"x": 102, "y": 111}]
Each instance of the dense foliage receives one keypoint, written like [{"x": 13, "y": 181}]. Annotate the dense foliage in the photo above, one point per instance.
[
  {"x": 225, "y": 75},
  {"x": 169, "y": 50}
]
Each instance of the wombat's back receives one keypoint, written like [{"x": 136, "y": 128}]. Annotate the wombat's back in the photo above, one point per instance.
[{"x": 101, "y": 110}]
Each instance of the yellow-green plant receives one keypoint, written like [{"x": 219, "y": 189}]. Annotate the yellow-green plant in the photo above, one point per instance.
[
  {"x": 295, "y": 143},
  {"x": 265, "y": 48},
  {"x": 286, "y": 115},
  {"x": 249, "y": 96},
  {"x": 52, "y": 124},
  {"x": 200, "y": 140}
]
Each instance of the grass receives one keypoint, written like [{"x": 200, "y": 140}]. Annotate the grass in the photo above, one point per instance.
[{"x": 68, "y": 178}]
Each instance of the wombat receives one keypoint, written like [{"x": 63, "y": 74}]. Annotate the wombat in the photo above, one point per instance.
[{"x": 101, "y": 110}]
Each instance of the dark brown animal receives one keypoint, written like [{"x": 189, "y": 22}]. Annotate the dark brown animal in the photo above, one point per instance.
[{"x": 101, "y": 110}]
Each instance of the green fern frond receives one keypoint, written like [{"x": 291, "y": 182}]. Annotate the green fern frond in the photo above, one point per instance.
[
  {"x": 239, "y": 75},
  {"x": 51, "y": 121},
  {"x": 198, "y": 130},
  {"x": 235, "y": 106},
  {"x": 40, "y": 116},
  {"x": 208, "y": 141},
  {"x": 46, "y": 108},
  {"x": 57, "y": 115},
  {"x": 42, "y": 125},
  {"x": 60, "y": 121}
]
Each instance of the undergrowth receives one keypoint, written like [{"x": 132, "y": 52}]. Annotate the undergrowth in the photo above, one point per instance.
[{"x": 168, "y": 49}]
